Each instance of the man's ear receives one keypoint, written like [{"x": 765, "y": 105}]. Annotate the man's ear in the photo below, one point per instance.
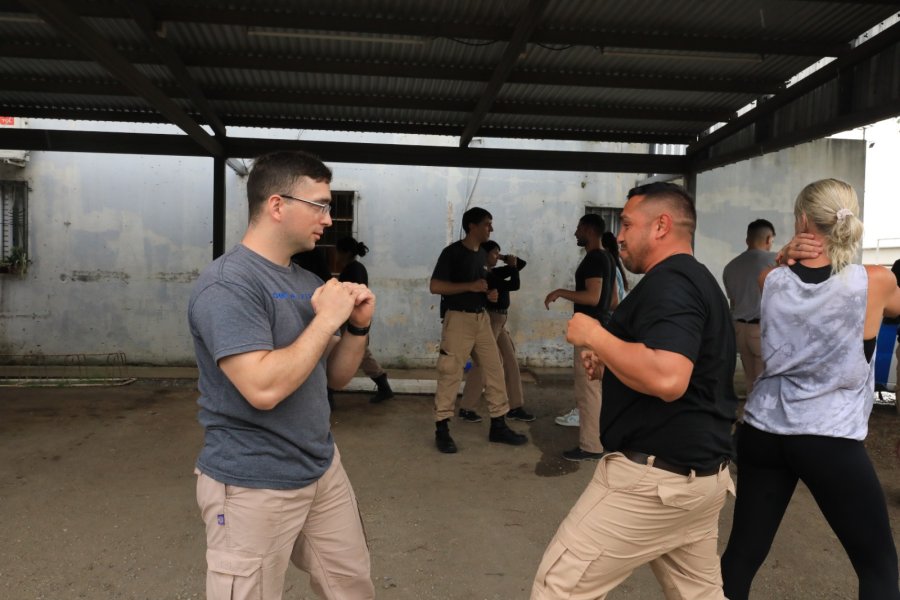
[
  {"x": 663, "y": 225},
  {"x": 274, "y": 206}
]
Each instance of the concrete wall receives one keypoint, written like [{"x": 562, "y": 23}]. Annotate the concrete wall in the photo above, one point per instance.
[
  {"x": 117, "y": 241},
  {"x": 765, "y": 187}
]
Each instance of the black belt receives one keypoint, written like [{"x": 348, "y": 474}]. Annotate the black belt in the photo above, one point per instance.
[
  {"x": 468, "y": 310},
  {"x": 642, "y": 459},
  {"x": 499, "y": 311},
  {"x": 748, "y": 321}
]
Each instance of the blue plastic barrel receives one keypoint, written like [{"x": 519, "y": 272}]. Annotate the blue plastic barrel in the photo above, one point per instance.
[{"x": 884, "y": 351}]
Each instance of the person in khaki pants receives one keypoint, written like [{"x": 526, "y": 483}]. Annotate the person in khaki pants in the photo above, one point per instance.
[
  {"x": 667, "y": 360},
  {"x": 594, "y": 295},
  {"x": 459, "y": 277},
  {"x": 504, "y": 279},
  {"x": 741, "y": 279},
  {"x": 270, "y": 483}
]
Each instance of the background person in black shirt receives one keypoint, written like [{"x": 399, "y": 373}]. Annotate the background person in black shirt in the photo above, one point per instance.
[
  {"x": 504, "y": 279},
  {"x": 594, "y": 295},
  {"x": 347, "y": 249},
  {"x": 668, "y": 408},
  {"x": 459, "y": 276}
]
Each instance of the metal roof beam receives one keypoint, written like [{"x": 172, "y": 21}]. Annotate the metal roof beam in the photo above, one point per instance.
[
  {"x": 526, "y": 25},
  {"x": 86, "y": 40},
  {"x": 256, "y": 62},
  {"x": 626, "y": 136},
  {"x": 181, "y": 145},
  {"x": 877, "y": 43},
  {"x": 599, "y": 111},
  {"x": 148, "y": 25},
  {"x": 682, "y": 41}
]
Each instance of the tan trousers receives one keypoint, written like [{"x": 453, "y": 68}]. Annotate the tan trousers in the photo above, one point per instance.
[
  {"x": 370, "y": 366},
  {"x": 587, "y": 401},
  {"x": 631, "y": 515},
  {"x": 463, "y": 335},
  {"x": 251, "y": 534},
  {"x": 475, "y": 377},
  {"x": 749, "y": 347}
]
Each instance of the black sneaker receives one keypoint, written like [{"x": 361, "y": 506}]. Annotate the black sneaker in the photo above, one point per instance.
[
  {"x": 469, "y": 416},
  {"x": 519, "y": 414},
  {"x": 578, "y": 455},
  {"x": 505, "y": 435}
]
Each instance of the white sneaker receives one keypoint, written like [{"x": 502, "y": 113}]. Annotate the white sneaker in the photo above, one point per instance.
[{"x": 570, "y": 419}]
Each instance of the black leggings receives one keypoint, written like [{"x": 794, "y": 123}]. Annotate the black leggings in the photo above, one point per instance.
[{"x": 840, "y": 477}]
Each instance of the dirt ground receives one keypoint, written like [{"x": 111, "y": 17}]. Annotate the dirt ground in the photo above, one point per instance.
[{"x": 97, "y": 499}]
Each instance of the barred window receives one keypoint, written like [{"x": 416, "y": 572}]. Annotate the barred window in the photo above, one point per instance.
[
  {"x": 343, "y": 213},
  {"x": 611, "y": 216},
  {"x": 13, "y": 221}
]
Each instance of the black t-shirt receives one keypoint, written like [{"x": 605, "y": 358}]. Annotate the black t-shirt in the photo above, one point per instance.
[
  {"x": 355, "y": 272},
  {"x": 678, "y": 307},
  {"x": 596, "y": 263},
  {"x": 504, "y": 279},
  {"x": 458, "y": 264}
]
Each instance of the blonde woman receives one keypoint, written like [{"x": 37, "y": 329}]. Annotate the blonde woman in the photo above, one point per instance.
[{"x": 807, "y": 415}]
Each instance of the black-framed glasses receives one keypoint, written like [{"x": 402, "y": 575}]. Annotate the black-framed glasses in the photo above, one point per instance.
[{"x": 324, "y": 207}]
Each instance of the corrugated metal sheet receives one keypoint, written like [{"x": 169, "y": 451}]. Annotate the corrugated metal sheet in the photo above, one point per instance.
[{"x": 257, "y": 60}]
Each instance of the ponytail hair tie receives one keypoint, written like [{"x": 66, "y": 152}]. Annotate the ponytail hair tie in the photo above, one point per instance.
[{"x": 843, "y": 213}]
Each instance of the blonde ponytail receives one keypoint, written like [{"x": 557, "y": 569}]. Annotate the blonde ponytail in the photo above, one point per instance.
[{"x": 832, "y": 206}]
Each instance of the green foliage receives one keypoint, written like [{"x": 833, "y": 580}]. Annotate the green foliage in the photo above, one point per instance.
[{"x": 16, "y": 262}]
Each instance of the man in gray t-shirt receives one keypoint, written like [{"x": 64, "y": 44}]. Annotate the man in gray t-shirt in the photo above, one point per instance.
[
  {"x": 741, "y": 278},
  {"x": 270, "y": 486}
]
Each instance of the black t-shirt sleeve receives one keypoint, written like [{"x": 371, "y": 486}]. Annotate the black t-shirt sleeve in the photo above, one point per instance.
[
  {"x": 595, "y": 265},
  {"x": 443, "y": 270},
  {"x": 674, "y": 320}
]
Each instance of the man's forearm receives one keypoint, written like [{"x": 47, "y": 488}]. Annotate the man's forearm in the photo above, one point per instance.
[{"x": 345, "y": 358}]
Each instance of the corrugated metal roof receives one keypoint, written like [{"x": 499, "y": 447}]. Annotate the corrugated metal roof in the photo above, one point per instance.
[{"x": 647, "y": 67}]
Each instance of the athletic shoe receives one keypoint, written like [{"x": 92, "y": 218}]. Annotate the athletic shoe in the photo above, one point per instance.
[
  {"x": 570, "y": 419},
  {"x": 519, "y": 414},
  {"x": 469, "y": 416},
  {"x": 578, "y": 455}
]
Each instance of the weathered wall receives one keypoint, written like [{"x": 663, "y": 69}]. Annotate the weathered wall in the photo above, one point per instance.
[
  {"x": 765, "y": 188},
  {"x": 117, "y": 241}
]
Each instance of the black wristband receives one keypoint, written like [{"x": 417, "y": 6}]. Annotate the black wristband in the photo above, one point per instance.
[{"x": 354, "y": 330}]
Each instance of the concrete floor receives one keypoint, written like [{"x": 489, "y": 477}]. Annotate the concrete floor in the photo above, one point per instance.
[{"x": 97, "y": 498}]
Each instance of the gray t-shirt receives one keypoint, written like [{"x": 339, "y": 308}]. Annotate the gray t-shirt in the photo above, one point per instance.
[
  {"x": 817, "y": 380},
  {"x": 741, "y": 279},
  {"x": 242, "y": 303}
]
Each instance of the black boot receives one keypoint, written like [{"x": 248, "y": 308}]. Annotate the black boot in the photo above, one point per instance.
[
  {"x": 442, "y": 438},
  {"x": 502, "y": 434},
  {"x": 384, "y": 389}
]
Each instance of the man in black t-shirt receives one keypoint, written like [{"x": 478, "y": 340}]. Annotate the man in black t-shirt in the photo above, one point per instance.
[
  {"x": 667, "y": 360},
  {"x": 459, "y": 276},
  {"x": 593, "y": 295}
]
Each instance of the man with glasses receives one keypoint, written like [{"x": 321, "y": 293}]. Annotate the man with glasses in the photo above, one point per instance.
[
  {"x": 270, "y": 486},
  {"x": 460, "y": 278}
]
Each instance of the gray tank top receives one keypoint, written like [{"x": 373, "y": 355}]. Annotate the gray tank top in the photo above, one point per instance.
[{"x": 816, "y": 380}]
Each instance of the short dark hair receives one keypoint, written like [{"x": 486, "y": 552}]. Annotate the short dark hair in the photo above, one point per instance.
[
  {"x": 677, "y": 196},
  {"x": 490, "y": 245},
  {"x": 474, "y": 216},
  {"x": 595, "y": 222},
  {"x": 757, "y": 227},
  {"x": 278, "y": 172}
]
